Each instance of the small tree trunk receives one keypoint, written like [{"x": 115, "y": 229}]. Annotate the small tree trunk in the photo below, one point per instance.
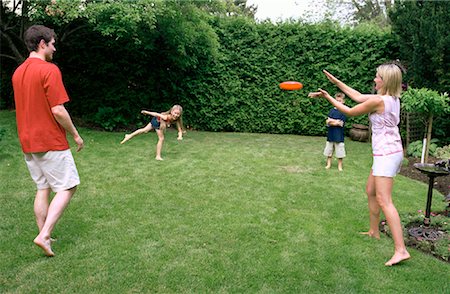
[{"x": 429, "y": 128}]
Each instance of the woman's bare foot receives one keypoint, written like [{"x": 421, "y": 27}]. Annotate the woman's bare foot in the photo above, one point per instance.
[
  {"x": 158, "y": 158},
  {"x": 45, "y": 245},
  {"x": 397, "y": 258},
  {"x": 371, "y": 235},
  {"x": 127, "y": 137}
]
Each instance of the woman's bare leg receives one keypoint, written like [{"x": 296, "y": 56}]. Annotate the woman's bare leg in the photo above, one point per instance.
[
  {"x": 143, "y": 130},
  {"x": 383, "y": 187},
  {"x": 374, "y": 208}
]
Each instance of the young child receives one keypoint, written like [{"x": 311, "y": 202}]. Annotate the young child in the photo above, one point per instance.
[
  {"x": 335, "y": 137},
  {"x": 159, "y": 123}
]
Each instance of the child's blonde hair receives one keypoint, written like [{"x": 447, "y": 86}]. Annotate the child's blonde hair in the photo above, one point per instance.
[
  {"x": 179, "y": 120},
  {"x": 340, "y": 94},
  {"x": 391, "y": 74}
]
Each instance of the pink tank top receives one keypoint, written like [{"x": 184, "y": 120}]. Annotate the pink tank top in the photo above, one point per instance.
[{"x": 385, "y": 134}]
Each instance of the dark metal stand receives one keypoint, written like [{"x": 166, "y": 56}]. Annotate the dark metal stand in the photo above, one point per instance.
[
  {"x": 427, "y": 220},
  {"x": 432, "y": 172}
]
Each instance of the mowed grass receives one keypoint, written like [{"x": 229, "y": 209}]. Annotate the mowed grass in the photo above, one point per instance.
[{"x": 223, "y": 213}]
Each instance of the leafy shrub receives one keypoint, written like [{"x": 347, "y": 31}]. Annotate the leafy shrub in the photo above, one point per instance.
[
  {"x": 442, "y": 152},
  {"x": 2, "y": 133},
  {"x": 415, "y": 148},
  {"x": 109, "y": 118}
]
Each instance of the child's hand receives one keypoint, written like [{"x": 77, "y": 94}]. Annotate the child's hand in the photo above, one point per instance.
[{"x": 319, "y": 94}]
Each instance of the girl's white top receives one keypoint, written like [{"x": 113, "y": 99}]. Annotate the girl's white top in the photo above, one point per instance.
[{"x": 385, "y": 134}]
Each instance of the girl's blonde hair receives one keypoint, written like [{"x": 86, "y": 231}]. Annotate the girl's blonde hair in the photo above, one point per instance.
[
  {"x": 391, "y": 74},
  {"x": 176, "y": 106},
  {"x": 180, "y": 118}
]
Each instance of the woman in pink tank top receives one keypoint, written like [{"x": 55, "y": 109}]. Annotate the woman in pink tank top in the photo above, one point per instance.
[{"x": 384, "y": 114}]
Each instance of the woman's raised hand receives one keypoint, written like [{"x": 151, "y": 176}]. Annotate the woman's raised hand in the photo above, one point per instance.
[{"x": 332, "y": 78}]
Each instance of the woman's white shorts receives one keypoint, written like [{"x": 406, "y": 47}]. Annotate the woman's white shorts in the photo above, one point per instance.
[{"x": 387, "y": 165}]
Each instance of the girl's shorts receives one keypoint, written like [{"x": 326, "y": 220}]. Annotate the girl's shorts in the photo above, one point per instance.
[
  {"x": 155, "y": 123},
  {"x": 53, "y": 169},
  {"x": 387, "y": 165}
]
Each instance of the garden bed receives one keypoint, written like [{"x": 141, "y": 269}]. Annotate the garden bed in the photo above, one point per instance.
[{"x": 435, "y": 239}]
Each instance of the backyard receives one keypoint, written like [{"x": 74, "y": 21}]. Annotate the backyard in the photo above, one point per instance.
[{"x": 223, "y": 213}]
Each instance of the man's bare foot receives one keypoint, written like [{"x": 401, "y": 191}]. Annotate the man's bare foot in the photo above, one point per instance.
[
  {"x": 340, "y": 169},
  {"x": 371, "y": 235},
  {"x": 397, "y": 258},
  {"x": 158, "y": 158},
  {"x": 127, "y": 137},
  {"x": 45, "y": 245},
  {"x": 328, "y": 166}
]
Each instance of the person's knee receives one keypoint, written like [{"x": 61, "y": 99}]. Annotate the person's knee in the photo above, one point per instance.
[
  {"x": 370, "y": 192},
  {"x": 383, "y": 201},
  {"x": 72, "y": 190}
]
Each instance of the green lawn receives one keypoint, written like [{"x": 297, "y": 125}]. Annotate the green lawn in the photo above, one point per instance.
[{"x": 223, "y": 213}]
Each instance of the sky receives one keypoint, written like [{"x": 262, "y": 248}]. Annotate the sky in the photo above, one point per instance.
[{"x": 283, "y": 9}]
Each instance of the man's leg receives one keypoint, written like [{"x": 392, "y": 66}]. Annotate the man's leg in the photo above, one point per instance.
[
  {"x": 55, "y": 211},
  {"x": 41, "y": 205}
]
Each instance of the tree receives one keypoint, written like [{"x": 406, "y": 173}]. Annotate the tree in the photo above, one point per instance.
[
  {"x": 424, "y": 40},
  {"x": 355, "y": 12},
  {"x": 13, "y": 21},
  {"x": 428, "y": 103}
]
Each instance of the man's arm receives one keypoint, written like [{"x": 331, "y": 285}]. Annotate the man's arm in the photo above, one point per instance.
[{"x": 63, "y": 118}]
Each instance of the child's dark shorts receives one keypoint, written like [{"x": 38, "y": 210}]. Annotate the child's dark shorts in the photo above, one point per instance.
[{"x": 155, "y": 123}]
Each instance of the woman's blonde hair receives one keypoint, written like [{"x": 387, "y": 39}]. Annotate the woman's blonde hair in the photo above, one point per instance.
[{"x": 391, "y": 74}]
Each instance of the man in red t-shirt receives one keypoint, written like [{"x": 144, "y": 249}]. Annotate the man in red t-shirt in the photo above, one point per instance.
[{"x": 42, "y": 123}]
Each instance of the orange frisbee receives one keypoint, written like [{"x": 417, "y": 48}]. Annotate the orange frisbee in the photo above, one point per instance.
[{"x": 291, "y": 85}]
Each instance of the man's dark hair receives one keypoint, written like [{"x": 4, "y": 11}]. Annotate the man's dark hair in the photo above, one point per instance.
[{"x": 35, "y": 34}]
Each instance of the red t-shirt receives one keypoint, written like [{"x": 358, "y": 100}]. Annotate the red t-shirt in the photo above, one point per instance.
[{"x": 38, "y": 87}]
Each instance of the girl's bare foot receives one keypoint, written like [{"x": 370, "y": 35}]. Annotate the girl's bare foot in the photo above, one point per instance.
[
  {"x": 45, "y": 245},
  {"x": 127, "y": 137},
  {"x": 397, "y": 258},
  {"x": 371, "y": 234},
  {"x": 158, "y": 158}
]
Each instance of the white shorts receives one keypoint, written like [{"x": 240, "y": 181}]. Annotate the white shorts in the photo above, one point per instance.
[
  {"x": 387, "y": 165},
  {"x": 339, "y": 148},
  {"x": 53, "y": 169}
]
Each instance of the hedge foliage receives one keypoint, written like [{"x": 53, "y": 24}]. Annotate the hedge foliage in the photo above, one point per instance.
[
  {"x": 224, "y": 71},
  {"x": 239, "y": 91}
]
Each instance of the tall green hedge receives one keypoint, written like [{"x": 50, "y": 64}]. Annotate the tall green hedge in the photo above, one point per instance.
[
  {"x": 239, "y": 91},
  {"x": 224, "y": 72}
]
